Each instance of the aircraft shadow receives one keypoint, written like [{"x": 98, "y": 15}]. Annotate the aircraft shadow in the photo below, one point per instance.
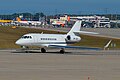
[
  {"x": 34, "y": 52},
  {"x": 68, "y": 53}
]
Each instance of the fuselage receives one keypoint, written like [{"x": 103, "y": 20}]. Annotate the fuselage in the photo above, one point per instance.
[
  {"x": 44, "y": 40},
  {"x": 29, "y": 22}
]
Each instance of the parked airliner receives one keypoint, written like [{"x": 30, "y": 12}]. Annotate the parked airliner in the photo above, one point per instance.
[
  {"x": 25, "y": 22},
  {"x": 54, "y": 40}
]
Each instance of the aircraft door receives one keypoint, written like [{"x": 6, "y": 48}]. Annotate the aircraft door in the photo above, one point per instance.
[{"x": 35, "y": 39}]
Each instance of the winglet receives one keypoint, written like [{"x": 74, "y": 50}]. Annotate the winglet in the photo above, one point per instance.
[{"x": 107, "y": 45}]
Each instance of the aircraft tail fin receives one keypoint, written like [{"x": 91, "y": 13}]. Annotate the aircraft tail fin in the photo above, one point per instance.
[
  {"x": 76, "y": 27},
  {"x": 75, "y": 31},
  {"x": 18, "y": 19}
]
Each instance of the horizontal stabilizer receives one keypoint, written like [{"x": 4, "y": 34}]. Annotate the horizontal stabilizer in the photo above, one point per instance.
[
  {"x": 85, "y": 32},
  {"x": 77, "y": 47}
]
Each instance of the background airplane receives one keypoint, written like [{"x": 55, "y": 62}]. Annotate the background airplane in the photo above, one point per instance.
[
  {"x": 25, "y": 22},
  {"x": 54, "y": 40}
]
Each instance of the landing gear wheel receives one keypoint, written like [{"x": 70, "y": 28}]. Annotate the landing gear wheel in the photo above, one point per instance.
[
  {"x": 43, "y": 50},
  {"x": 24, "y": 47},
  {"x": 26, "y": 51},
  {"x": 62, "y": 51}
]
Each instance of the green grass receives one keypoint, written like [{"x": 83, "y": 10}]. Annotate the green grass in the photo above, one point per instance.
[{"x": 8, "y": 36}]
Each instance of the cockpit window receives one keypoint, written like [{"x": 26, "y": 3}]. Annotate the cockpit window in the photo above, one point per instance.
[{"x": 26, "y": 37}]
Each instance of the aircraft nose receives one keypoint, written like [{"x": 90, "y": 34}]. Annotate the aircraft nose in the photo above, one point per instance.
[{"x": 17, "y": 42}]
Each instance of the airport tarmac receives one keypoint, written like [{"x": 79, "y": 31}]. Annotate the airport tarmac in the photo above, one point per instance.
[{"x": 73, "y": 65}]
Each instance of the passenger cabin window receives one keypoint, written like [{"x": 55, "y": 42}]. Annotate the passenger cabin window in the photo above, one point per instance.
[{"x": 26, "y": 37}]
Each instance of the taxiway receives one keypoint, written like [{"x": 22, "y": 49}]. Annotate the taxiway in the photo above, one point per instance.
[{"x": 73, "y": 65}]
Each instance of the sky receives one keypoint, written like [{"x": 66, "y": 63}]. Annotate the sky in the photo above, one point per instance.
[{"x": 60, "y": 6}]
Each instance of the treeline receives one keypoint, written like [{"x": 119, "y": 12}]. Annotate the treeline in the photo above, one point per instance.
[{"x": 26, "y": 16}]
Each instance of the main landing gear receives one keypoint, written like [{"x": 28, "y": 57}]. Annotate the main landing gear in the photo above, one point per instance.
[
  {"x": 62, "y": 51},
  {"x": 43, "y": 50}
]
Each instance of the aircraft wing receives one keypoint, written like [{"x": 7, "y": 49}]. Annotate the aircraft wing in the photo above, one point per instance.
[{"x": 77, "y": 47}]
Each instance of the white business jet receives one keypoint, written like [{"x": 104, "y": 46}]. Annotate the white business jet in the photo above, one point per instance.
[{"x": 54, "y": 40}]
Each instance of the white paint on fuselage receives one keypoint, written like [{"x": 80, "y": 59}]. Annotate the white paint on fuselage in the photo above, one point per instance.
[{"x": 42, "y": 40}]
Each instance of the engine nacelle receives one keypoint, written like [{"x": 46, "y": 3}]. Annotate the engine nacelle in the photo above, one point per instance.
[{"x": 70, "y": 38}]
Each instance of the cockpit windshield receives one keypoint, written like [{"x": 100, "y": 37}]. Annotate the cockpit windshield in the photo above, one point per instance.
[{"x": 26, "y": 37}]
